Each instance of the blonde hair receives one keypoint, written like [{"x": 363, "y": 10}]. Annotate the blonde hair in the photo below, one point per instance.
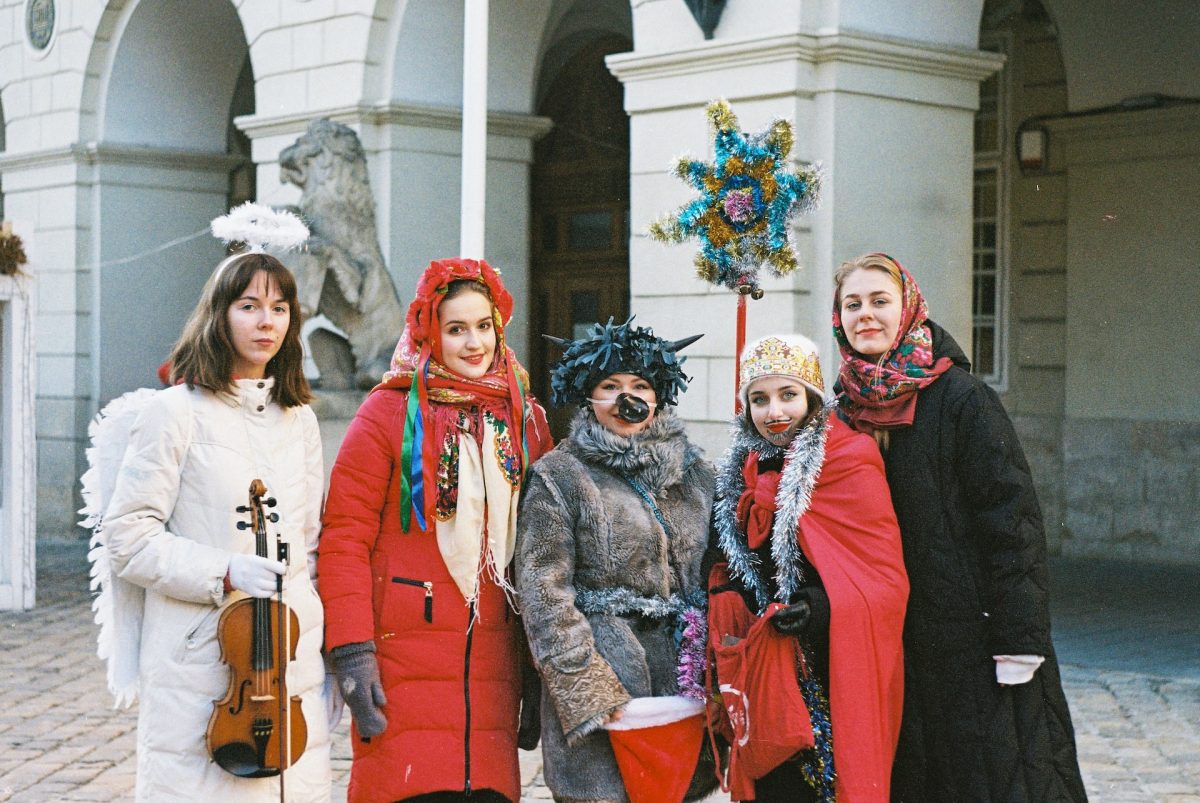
[{"x": 876, "y": 261}]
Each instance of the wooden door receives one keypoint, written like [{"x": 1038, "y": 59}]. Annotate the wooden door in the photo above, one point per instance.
[{"x": 580, "y": 198}]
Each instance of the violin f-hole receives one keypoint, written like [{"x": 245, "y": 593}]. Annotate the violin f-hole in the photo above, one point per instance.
[{"x": 241, "y": 699}]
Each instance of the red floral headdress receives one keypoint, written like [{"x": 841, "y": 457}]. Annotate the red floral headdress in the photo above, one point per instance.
[{"x": 417, "y": 366}]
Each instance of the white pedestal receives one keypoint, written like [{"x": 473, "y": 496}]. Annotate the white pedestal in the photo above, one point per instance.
[{"x": 18, "y": 462}]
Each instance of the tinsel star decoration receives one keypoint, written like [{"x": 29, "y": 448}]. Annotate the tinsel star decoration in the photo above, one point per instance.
[{"x": 748, "y": 198}]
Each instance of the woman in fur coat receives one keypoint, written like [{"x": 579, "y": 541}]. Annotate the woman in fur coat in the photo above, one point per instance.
[
  {"x": 611, "y": 535},
  {"x": 985, "y": 718},
  {"x": 803, "y": 518}
]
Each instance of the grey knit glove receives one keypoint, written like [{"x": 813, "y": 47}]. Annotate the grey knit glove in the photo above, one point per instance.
[{"x": 358, "y": 678}]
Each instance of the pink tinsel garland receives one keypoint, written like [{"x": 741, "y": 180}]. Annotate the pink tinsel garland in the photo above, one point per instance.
[{"x": 692, "y": 655}]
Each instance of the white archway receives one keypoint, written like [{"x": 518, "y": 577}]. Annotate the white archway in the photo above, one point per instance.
[
  {"x": 162, "y": 164},
  {"x": 1114, "y": 50}
]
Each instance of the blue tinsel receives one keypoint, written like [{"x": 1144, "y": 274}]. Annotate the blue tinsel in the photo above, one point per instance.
[{"x": 816, "y": 765}]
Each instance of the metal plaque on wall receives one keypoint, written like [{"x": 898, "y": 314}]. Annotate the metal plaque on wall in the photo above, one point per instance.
[{"x": 39, "y": 22}]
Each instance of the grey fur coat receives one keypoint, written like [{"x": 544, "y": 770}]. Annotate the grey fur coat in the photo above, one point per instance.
[{"x": 599, "y": 578}]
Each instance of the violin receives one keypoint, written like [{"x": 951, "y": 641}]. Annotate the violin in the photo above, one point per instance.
[{"x": 256, "y": 730}]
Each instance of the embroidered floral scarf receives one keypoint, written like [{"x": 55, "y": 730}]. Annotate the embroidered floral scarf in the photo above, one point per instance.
[{"x": 463, "y": 453}]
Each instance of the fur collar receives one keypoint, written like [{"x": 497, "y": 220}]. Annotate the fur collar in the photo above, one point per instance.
[
  {"x": 802, "y": 461},
  {"x": 656, "y": 457}
]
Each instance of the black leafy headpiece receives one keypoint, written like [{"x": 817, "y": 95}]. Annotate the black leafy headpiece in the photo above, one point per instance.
[{"x": 617, "y": 349}]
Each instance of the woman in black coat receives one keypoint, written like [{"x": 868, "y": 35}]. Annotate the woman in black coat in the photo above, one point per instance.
[{"x": 985, "y": 718}]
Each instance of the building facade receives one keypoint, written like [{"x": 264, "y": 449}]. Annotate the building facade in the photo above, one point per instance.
[{"x": 1067, "y": 267}]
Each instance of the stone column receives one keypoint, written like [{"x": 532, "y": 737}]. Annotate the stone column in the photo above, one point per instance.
[
  {"x": 890, "y": 123},
  {"x": 45, "y": 197},
  {"x": 118, "y": 240},
  {"x": 151, "y": 254},
  {"x": 18, "y": 466}
]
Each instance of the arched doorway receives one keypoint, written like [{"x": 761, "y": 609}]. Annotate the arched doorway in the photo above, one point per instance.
[
  {"x": 1018, "y": 220},
  {"x": 166, "y": 163},
  {"x": 243, "y": 178},
  {"x": 580, "y": 200}
]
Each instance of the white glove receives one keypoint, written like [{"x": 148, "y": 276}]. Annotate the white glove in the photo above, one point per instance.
[
  {"x": 254, "y": 575},
  {"x": 1013, "y": 670}
]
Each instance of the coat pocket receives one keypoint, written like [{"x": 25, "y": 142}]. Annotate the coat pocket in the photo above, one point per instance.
[
  {"x": 199, "y": 644},
  {"x": 423, "y": 584}
]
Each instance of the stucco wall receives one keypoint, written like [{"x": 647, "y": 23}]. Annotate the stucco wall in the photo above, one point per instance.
[{"x": 1131, "y": 439}]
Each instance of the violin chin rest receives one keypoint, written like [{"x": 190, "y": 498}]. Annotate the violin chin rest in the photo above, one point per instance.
[{"x": 242, "y": 759}]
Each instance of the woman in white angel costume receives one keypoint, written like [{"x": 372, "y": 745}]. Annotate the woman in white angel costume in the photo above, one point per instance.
[{"x": 168, "y": 556}]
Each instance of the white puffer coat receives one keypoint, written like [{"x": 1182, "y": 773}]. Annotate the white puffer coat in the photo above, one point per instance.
[{"x": 171, "y": 528}]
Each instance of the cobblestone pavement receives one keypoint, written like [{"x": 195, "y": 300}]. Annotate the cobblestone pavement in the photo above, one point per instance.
[{"x": 1128, "y": 640}]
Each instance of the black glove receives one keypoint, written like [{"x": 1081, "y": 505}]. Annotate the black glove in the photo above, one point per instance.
[
  {"x": 793, "y": 620},
  {"x": 530, "y": 731},
  {"x": 358, "y": 679}
]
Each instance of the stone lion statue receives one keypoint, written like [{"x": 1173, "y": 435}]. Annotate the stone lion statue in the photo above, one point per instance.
[{"x": 340, "y": 271}]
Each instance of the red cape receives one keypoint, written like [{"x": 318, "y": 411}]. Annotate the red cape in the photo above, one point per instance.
[{"x": 850, "y": 534}]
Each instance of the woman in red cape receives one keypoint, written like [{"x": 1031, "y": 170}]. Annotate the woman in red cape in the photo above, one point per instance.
[
  {"x": 419, "y": 531},
  {"x": 803, "y": 517}
]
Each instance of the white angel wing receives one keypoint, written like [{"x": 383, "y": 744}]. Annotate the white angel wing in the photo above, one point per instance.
[{"x": 118, "y": 605}]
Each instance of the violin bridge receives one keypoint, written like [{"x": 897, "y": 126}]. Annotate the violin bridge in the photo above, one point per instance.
[{"x": 261, "y": 698}]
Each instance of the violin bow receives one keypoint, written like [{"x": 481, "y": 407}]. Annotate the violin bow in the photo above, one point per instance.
[{"x": 283, "y": 627}]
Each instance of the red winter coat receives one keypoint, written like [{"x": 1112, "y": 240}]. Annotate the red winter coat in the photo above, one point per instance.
[{"x": 453, "y": 695}]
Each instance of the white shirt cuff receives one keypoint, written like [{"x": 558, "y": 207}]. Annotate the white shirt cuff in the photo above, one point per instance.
[{"x": 1013, "y": 670}]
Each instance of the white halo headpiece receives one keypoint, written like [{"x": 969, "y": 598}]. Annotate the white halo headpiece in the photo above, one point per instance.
[{"x": 260, "y": 228}]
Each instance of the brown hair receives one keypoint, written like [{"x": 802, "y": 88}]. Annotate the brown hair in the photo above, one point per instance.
[
  {"x": 204, "y": 353},
  {"x": 879, "y": 262},
  {"x": 459, "y": 286}
]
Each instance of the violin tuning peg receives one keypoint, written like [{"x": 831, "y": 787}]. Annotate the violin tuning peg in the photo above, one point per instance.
[
  {"x": 243, "y": 525},
  {"x": 269, "y": 501},
  {"x": 242, "y": 509},
  {"x": 272, "y": 517}
]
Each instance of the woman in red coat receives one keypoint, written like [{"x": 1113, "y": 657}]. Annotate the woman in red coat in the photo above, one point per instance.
[
  {"x": 419, "y": 530},
  {"x": 803, "y": 517}
]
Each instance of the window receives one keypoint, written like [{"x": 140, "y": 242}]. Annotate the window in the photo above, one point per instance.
[
  {"x": 989, "y": 264},
  {"x": 591, "y": 231},
  {"x": 585, "y": 311}
]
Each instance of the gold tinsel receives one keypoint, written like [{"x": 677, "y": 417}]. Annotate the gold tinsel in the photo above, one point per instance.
[
  {"x": 721, "y": 115},
  {"x": 12, "y": 252},
  {"x": 783, "y": 137}
]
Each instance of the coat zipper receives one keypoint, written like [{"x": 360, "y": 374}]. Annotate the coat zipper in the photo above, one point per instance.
[
  {"x": 467, "y": 700},
  {"x": 425, "y": 584}
]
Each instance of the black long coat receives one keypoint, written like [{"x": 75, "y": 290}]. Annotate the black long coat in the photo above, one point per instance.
[{"x": 975, "y": 551}]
